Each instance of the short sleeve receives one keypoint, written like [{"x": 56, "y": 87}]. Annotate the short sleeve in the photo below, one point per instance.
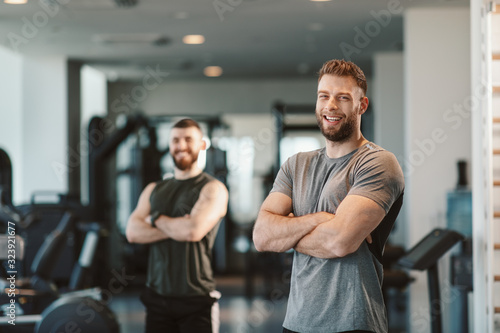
[
  {"x": 284, "y": 180},
  {"x": 378, "y": 176}
]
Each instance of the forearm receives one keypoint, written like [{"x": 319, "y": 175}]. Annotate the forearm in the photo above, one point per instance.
[
  {"x": 181, "y": 229},
  {"x": 141, "y": 232},
  {"x": 277, "y": 233},
  {"x": 318, "y": 243},
  {"x": 207, "y": 212},
  {"x": 330, "y": 240}
]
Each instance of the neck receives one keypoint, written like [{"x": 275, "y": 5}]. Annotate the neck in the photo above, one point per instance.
[
  {"x": 188, "y": 173},
  {"x": 339, "y": 149}
]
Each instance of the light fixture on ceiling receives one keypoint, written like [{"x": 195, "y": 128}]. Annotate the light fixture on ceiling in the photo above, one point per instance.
[
  {"x": 15, "y": 2},
  {"x": 212, "y": 71},
  {"x": 320, "y": 0},
  {"x": 193, "y": 39}
]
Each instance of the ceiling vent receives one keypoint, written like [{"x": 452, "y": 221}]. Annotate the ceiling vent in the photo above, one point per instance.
[
  {"x": 126, "y": 3},
  {"x": 154, "y": 39},
  {"x": 96, "y": 4}
]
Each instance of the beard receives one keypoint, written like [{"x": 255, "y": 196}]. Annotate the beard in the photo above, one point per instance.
[
  {"x": 185, "y": 162},
  {"x": 343, "y": 133}
]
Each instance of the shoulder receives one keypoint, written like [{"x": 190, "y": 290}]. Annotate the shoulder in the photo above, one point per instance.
[
  {"x": 216, "y": 192},
  {"x": 213, "y": 185},
  {"x": 371, "y": 152},
  {"x": 373, "y": 160},
  {"x": 148, "y": 191},
  {"x": 150, "y": 187}
]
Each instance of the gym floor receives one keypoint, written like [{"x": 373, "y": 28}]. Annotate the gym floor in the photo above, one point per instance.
[{"x": 238, "y": 314}]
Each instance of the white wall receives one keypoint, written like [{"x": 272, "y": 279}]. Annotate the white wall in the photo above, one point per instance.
[
  {"x": 44, "y": 125},
  {"x": 437, "y": 127},
  {"x": 11, "y": 115},
  {"x": 94, "y": 102},
  {"x": 94, "y": 94},
  {"x": 388, "y": 107},
  {"x": 33, "y": 126}
]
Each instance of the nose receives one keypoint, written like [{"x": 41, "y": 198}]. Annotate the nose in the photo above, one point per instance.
[
  {"x": 331, "y": 104},
  {"x": 181, "y": 145}
]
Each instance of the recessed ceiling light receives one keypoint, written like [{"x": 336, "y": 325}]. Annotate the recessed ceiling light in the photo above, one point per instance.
[
  {"x": 15, "y": 2},
  {"x": 212, "y": 71},
  {"x": 193, "y": 39},
  {"x": 319, "y": 0}
]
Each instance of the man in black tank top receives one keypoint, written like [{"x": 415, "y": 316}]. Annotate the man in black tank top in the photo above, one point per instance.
[{"x": 179, "y": 218}]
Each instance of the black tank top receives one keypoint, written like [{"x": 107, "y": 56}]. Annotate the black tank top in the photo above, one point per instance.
[{"x": 180, "y": 268}]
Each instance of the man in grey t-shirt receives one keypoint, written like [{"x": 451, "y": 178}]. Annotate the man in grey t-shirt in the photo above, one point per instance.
[{"x": 335, "y": 207}]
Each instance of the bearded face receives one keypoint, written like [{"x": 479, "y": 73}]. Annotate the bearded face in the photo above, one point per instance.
[
  {"x": 339, "y": 106},
  {"x": 341, "y": 133},
  {"x": 184, "y": 159},
  {"x": 185, "y": 146}
]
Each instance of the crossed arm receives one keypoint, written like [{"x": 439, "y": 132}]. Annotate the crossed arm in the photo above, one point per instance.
[
  {"x": 322, "y": 234},
  {"x": 206, "y": 213}
]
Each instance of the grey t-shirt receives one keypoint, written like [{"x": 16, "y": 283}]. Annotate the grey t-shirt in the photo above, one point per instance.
[{"x": 340, "y": 294}]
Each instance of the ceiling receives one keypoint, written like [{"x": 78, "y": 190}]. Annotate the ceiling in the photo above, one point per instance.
[{"x": 247, "y": 38}]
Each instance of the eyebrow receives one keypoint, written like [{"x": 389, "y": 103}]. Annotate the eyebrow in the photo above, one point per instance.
[{"x": 338, "y": 93}]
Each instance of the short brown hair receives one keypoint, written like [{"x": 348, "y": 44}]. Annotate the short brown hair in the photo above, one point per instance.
[
  {"x": 187, "y": 122},
  {"x": 344, "y": 68}
]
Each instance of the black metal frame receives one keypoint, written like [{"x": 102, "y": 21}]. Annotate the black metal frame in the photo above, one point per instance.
[{"x": 424, "y": 256}]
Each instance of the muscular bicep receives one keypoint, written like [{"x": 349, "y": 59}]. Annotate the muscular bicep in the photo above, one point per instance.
[
  {"x": 143, "y": 208},
  {"x": 139, "y": 230},
  {"x": 277, "y": 203},
  {"x": 277, "y": 230},
  {"x": 358, "y": 216},
  {"x": 210, "y": 207}
]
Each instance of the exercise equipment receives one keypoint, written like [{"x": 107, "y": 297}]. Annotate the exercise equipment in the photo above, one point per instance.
[
  {"x": 91, "y": 316},
  {"x": 99, "y": 152},
  {"x": 424, "y": 256},
  {"x": 39, "y": 305},
  {"x": 5, "y": 174},
  {"x": 38, "y": 301},
  {"x": 288, "y": 119}
]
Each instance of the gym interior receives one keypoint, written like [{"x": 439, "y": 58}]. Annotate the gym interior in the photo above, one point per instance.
[{"x": 89, "y": 91}]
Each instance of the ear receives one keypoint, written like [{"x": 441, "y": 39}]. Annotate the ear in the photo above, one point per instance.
[
  {"x": 203, "y": 144},
  {"x": 364, "y": 105}
]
